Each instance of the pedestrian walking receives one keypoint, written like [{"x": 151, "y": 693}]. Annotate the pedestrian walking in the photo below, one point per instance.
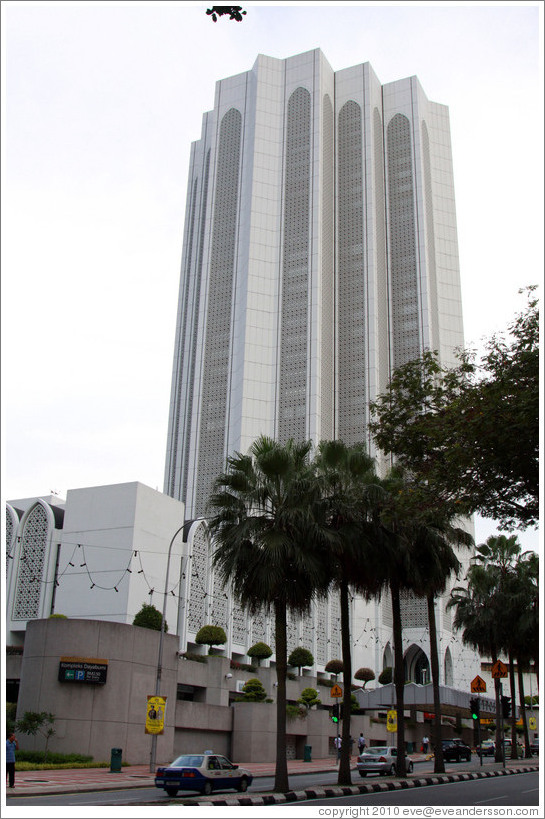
[
  {"x": 11, "y": 746},
  {"x": 425, "y": 743},
  {"x": 337, "y": 743},
  {"x": 361, "y": 743}
]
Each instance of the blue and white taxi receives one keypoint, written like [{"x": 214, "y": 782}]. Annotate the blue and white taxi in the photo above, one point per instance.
[{"x": 205, "y": 772}]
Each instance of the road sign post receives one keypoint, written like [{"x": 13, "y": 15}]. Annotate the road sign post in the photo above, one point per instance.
[{"x": 336, "y": 691}]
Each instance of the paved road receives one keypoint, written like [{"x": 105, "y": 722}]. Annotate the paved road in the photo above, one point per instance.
[
  {"x": 497, "y": 792},
  {"x": 154, "y": 796},
  {"x": 147, "y": 795}
]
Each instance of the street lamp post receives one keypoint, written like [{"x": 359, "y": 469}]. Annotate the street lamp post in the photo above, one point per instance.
[{"x": 160, "y": 654}]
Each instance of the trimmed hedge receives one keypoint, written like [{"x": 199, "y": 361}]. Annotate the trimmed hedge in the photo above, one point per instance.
[
  {"x": 52, "y": 758},
  {"x": 49, "y": 766}
]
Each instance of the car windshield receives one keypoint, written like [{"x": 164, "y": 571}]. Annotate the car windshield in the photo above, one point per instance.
[
  {"x": 188, "y": 761},
  {"x": 376, "y": 751}
]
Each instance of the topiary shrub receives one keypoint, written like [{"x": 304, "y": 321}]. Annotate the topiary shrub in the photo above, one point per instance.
[
  {"x": 385, "y": 676},
  {"x": 211, "y": 636},
  {"x": 309, "y": 697},
  {"x": 300, "y": 657},
  {"x": 364, "y": 674},
  {"x": 260, "y": 651},
  {"x": 334, "y": 667},
  {"x": 253, "y": 691},
  {"x": 149, "y": 617}
]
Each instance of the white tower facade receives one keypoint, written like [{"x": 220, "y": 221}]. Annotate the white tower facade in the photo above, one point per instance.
[{"x": 320, "y": 252}]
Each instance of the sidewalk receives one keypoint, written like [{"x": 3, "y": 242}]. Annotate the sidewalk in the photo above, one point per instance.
[
  {"x": 29, "y": 783},
  {"x": 132, "y": 776}
]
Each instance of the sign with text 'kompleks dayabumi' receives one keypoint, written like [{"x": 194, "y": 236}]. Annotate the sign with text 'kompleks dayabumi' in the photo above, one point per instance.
[
  {"x": 83, "y": 670},
  {"x": 155, "y": 714}
]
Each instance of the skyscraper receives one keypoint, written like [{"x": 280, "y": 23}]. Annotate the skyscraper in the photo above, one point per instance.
[{"x": 320, "y": 252}]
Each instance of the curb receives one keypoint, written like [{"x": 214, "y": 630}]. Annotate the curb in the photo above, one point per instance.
[{"x": 329, "y": 792}]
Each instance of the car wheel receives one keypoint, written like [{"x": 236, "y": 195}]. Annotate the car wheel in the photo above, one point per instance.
[
  {"x": 243, "y": 784},
  {"x": 171, "y": 791},
  {"x": 207, "y": 788},
  {"x": 363, "y": 773},
  {"x": 410, "y": 767}
]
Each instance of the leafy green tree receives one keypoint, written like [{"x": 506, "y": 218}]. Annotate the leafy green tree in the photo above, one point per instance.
[
  {"x": 149, "y": 617},
  {"x": 253, "y": 691},
  {"x": 266, "y": 547},
  {"x": 260, "y": 651},
  {"x": 471, "y": 431},
  {"x": 211, "y": 636},
  {"x": 37, "y": 722},
  {"x": 309, "y": 698},
  {"x": 300, "y": 657},
  {"x": 364, "y": 674}
]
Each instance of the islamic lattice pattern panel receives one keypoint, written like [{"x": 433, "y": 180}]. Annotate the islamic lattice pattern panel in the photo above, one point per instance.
[{"x": 31, "y": 566}]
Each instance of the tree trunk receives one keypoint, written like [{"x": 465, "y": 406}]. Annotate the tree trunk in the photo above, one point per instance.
[
  {"x": 439, "y": 763},
  {"x": 281, "y": 782},
  {"x": 399, "y": 678},
  {"x": 513, "y": 718},
  {"x": 344, "y": 762},
  {"x": 527, "y": 751}
]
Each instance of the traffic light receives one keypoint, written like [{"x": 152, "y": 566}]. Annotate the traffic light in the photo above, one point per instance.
[
  {"x": 506, "y": 707},
  {"x": 475, "y": 708},
  {"x": 334, "y": 713}
]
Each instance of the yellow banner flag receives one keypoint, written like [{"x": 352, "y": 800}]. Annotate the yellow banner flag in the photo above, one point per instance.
[{"x": 155, "y": 714}]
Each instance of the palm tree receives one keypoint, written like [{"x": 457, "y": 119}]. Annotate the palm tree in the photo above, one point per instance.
[
  {"x": 418, "y": 556},
  {"x": 348, "y": 488},
  {"x": 478, "y": 615},
  {"x": 517, "y": 608},
  {"x": 522, "y": 634},
  {"x": 395, "y": 545},
  {"x": 266, "y": 547},
  {"x": 434, "y": 562}
]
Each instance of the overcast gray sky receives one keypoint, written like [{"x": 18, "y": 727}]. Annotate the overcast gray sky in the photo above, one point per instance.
[{"x": 101, "y": 102}]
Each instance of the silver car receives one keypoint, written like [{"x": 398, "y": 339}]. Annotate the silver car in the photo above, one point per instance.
[{"x": 381, "y": 759}]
